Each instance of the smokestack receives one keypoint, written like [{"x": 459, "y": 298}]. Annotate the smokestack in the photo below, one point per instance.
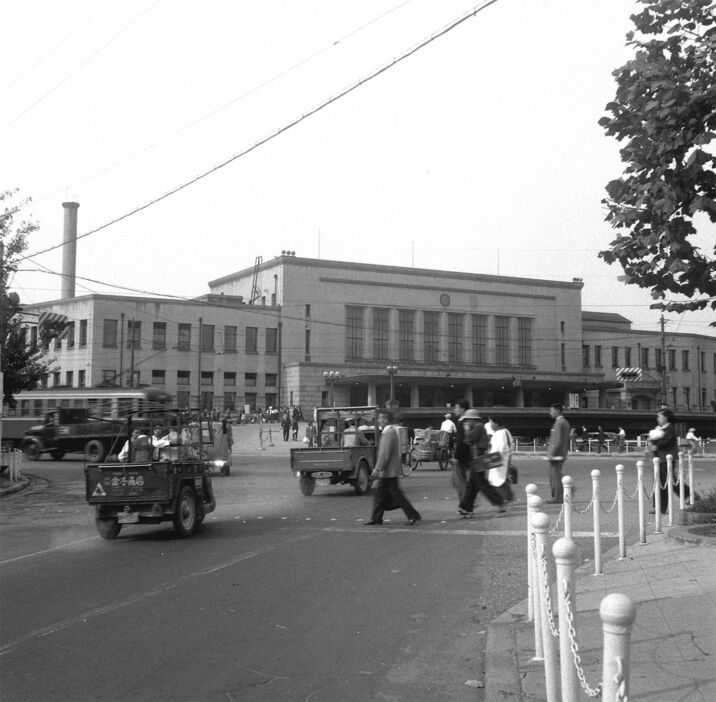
[{"x": 69, "y": 253}]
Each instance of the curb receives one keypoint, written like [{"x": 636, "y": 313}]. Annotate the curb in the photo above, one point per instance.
[
  {"x": 684, "y": 536},
  {"x": 24, "y": 482}
]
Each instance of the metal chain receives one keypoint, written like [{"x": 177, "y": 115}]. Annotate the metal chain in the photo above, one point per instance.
[
  {"x": 553, "y": 530},
  {"x": 574, "y": 646},
  {"x": 547, "y": 600},
  {"x": 587, "y": 508},
  {"x": 634, "y": 494},
  {"x": 620, "y": 680},
  {"x": 614, "y": 504}
]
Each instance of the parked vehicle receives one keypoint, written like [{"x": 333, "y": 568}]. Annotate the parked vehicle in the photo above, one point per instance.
[{"x": 430, "y": 445}]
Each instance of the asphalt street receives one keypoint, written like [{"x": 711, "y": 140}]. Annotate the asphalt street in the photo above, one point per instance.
[{"x": 277, "y": 597}]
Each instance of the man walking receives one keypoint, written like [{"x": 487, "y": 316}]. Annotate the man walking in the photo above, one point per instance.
[
  {"x": 388, "y": 494},
  {"x": 557, "y": 452}
]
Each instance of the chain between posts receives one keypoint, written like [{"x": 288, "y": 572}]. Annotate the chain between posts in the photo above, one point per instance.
[
  {"x": 553, "y": 530},
  {"x": 591, "y": 692},
  {"x": 545, "y": 580},
  {"x": 614, "y": 504},
  {"x": 620, "y": 680}
]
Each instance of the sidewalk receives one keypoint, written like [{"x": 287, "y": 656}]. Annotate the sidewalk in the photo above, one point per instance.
[{"x": 672, "y": 581}]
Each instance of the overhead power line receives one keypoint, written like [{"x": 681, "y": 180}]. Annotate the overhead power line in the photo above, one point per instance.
[{"x": 289, "y": 125}]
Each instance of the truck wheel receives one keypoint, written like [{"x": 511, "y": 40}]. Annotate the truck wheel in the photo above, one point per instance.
[
  {"x": 307, "y": 483},
  {"x": 362, "y": 482},
  {"x": 186, "y": 512},
  {"x": 108, "y": 528},
  {"x": 57, "y": 454},
  {"x": 94, "y": 451},
  {"x": 444, "y": 458},
  {"x": 32, "y": 451}
]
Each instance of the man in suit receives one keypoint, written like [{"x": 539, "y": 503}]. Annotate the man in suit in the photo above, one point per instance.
[
  {"x": 557, "y": 451},
  {"x": 388, "y": 494}
]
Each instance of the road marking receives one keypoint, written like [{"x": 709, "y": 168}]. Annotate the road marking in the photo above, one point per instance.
[
  {"x": 48, "y": 550},
  {"x": 460, "y": 532}
]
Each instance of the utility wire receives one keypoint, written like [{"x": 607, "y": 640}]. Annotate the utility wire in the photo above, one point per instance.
[{"x": 297, "y": 120}]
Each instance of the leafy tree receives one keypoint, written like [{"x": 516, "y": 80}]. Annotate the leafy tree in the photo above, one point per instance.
[
  {"x": 22, "y": 365},
  {"x": 665, "y": 109}
]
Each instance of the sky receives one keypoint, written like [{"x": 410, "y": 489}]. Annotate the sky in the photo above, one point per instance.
[{"x": 480, "y": 152}]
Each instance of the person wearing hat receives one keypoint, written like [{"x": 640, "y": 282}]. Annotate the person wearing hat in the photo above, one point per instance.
[
  {"x": 692, "y": 441},
  {"x": 449, "y": 426}
]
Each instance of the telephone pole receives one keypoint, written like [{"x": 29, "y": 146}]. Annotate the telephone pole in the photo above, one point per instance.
[{"x": 662, "y": 321}]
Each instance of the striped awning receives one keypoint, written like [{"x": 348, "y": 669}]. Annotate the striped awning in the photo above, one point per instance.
[{"x": 52, "y": 324}]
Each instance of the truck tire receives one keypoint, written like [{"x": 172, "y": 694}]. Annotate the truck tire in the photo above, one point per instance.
[
  {"x": 307, "y": 483},
  {"x": 94, "y": 451},
  {"x": 185, "y": 516},
  {"x": 108, "y": 528},
  {"x": 361, "y": 484},
  {"x": 32, "y": 450},
  {"x": 57, "y": 454}
]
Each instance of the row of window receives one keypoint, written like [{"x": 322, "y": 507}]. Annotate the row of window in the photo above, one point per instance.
[
  {"x": 455, "y": 345},
  {"x": 110, "y": 377},
  {"x": 622, "y": 358},
  {"x": 207, "y": 400}
]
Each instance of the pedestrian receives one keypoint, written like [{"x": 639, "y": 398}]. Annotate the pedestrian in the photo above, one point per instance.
[
  {"x": 621, "y": 439},
  {"x": 387, "y": 471},
  {"x": 286, "y": 425},
  {"x": 557, "y": 451},
  {"x": 692, "y": 441},
  {"x": 449, "y": 426},
  {"x": 664, "y": 443},
  {"x": 573, "y": 439},
  {"x": 311, "y": 434},
  {"x": 475, "y": 436},
  {"x": 294, "y": 427},
  {"x": 501, "y": 442},
  {"x": 601, "y": 439},
  {"x": 223, "y": 442}
]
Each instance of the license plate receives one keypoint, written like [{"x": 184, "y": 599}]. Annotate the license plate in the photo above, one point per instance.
[
  {"x": 322, "y": 474},
  {"x": 128, "y": 518},
  {"x": 323, "y": 481}
]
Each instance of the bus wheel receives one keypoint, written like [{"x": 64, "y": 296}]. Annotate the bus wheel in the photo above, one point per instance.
[{"x": 94, "y": 451}]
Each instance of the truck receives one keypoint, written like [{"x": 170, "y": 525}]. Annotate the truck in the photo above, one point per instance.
[
  {"x": 166, "y": 481},
  {"x": 347, "y": 445}
]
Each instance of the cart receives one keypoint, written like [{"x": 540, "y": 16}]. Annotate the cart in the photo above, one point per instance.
[{"x": 430, "y": 445}]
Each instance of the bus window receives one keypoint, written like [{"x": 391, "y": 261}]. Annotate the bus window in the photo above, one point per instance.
[
  {"x": 38, "y": 409},
  {"x": 93, "y": 406},
  {"x": 106, "y": 408},
  {"x": 65, "y": 402},
  {"x": 24, "y": 408},
  {"x": 78, "y": 402},
  {"x": 51, "y": 404}
]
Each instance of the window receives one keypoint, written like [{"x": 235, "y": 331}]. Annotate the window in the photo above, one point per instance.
[
  {"x": 206, "y": 400},
  {"x": 81, "y": 375},
  {"x": 108, "y": 376},
  {"x": 229, "y": 400},
  {"x": 479, "y": 338},
  {"x": 159, "y": 336},
  {"x": 406, "y": 335},
  {"x": 250, "y": 380},
  {"x": 83, "y": 332},
  {"x": 380, "y": 333},
  {"x": 58, "y": 343},
  {"x": 431, "y": 336},
  {"x": 229, "y": 378},
  {"x": 230, "y": 336},
  {"x": 658, "y": 360},
  {"x": 134, "y": 334},
  {"x": 644, "y": 357},
  {"x": 502, "y": 340},
  {"x": 271, "y": 399},
  {"x": 585, "y": 356},
  {"x": 183, "y": 377},
  {"x": 308, "y": 311},
  {"x": 207, "y": 337},
  {"x": 183, "y": 397},
  {"x": 70, "y": 335},
  {"x": 354, "y": 332},
  {"x": 184, "y": 337},
  {"x": 207, "y": 377},
  {"x": 524, "y": 341},
  {"x": 702, "y": 361},
  {"x": 252, "y": 339},
  {"x": 672, "y": 359},
  {"x": 685, "y": 360},
  {"x": 687, "y": 397},
  {"x": 615, "y": 357},
  {"x": 33, "y": 337},
  {"x": 250, "y": 400},
  {"x": 271, "y": 340},
  {"x": 456, "y": 323},
  {"x": 271, "y": 380},
  {"x": 159, "y": 377},
  {"x": 307, "y": 345},
  {"x": 673, "y": 396},
  {"x": 627, "y": 357},
  {"x": 69, "y": 378},
  {"x": 597, "y": 356},
  {"x": 561, "y": 327}
]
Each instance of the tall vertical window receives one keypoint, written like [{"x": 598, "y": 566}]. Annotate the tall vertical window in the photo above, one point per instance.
[
  {"x": 229, "y": 339},
  {"x": 658, "y": 360},
  {"x": 479, "y": 338},
  {"x": 687, "y": 397},
  {"x": 207, "y": 337},
  {"x": 586, "y": 360},
  {"x": 684, "y": 360},
  {"x": 33, "y": 337},
  {"x": 81, "y": 378},
  {"x": 134, "y": 334},
  {"x": 307, "y": 349},
  {"x": 70, "y": 335},
  {"x": 69, "y": 378},
  {"x": 563, "y": 354},
  {"x": 271, "y": 340},
  {"x": 229, "y": 400},
  {"x": 109, "y": 333},
  {"x": 252, "y": 334},
  {"x": 672, "y": 359},
  {"x": 597, "y": 356},
  {"x": 108, "y": 376},
  {"x": 184, "y": 337},
  {"x": 702, "y": 361},
  {"x": 380, "y": 333},
  {"x": 159, "y": 336},
  {"x": 354, "y": 332},
  {"x": 406, "y": 335},
  {"x": 456, "y": 324},
  {"x": 644, "y": 357},
  {"x": 431, "y": 336},
  {"x": 615, "y": 357},
  {"x": 502, "y": 340},
  {"x": 83, "y": 332},
  {"x": 524, "y": 341},
  {"x": 627, "y": 357}
]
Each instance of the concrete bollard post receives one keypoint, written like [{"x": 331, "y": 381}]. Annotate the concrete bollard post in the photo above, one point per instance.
[
  {"x": 682, "y": 494},
  {"x": 534, "y": 504},
  {"x": 596, "y": 523},
  {"x": 566, "y": 558},
  {"x": 670, "y": 486},
  {"x": 540, "y": 524},
  {"x": 617, "y": 613},
  {"x": 657, "y": 497},
  {"x": 690, "y": 458},
  {"x": 567, "y": 508},
  {"x": 530, "y": 489},
  {"x": 620, "y": 511},
  {"x": 640, "y": 493}
]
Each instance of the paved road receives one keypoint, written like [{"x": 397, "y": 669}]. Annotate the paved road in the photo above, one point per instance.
[{"x": 278, "y": 597}]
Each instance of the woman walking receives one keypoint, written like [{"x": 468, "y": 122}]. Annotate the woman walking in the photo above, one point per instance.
[
  {"x": 501, "y": 442},
  {"x": 665, "y": 443}
]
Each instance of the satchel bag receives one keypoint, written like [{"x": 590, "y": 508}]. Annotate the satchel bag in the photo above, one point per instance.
[
  {"x": 485, "y": 461},
  {"x": 512, "y": 474}
]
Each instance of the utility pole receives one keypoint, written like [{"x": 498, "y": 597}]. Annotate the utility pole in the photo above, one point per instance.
[
  {"x": 198, "y": 394},
  {"x": 121, "y": 350},
  {"x": 662, "y": 321}
]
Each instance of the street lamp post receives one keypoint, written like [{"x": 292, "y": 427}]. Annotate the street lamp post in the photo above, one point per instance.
[
  {"x": 392, "y": 370},
  {"x": 331, "y": 377}
]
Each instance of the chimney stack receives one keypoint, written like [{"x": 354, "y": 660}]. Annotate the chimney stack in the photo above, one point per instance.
[{"x": 69, "y": 252}]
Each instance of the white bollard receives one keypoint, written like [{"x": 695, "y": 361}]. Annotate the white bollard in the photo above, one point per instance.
[
  {"x": 596, "y": 523},
  {"x": 530, "y": 489},
  {"x": 534, "y": 504},
  {"x": 540, "y": 524},
  {"x": 670, "y": 486},
  {"x": 566, "y": 558},
  {"x": 640, "y": 493},
  {"x": 620, "y": 511},
  {"x": 567, "y": 507},
  {"x": 617, "y": 612},
  {"x": 657, "y": 497},
  {"x": 691, "y": 478},
  {"x": 682, "y": 495}
]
